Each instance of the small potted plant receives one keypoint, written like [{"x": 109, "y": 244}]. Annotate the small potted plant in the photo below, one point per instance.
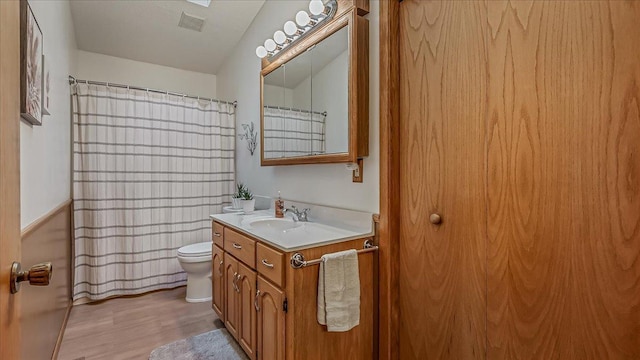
[
  {"x": 236, "y": 198},
  {"x": 247, "y": 201}
]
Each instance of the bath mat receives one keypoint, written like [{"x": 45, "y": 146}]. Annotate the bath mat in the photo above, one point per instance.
[{"x": 213, "y": 345}]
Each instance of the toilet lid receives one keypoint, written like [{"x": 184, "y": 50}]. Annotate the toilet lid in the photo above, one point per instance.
[{"x": 199, "y": 249}]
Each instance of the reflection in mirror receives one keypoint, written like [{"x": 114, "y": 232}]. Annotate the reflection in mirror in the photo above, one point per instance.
[
  {"x": 330, "y": 88},
  {"x": 306, "y": 102}
]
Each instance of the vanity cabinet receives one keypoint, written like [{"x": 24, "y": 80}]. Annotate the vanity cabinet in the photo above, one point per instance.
[
  {"x": 246, "y": 313},
  {"x": 231, "y": 311},
  {"x": 271, "y": 320},
  {"x": 217, "y": 281},
  {"x": 270, "y": 308}
]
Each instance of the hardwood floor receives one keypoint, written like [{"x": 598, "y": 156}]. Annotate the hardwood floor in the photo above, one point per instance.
[{"x": 130, "y": 328}]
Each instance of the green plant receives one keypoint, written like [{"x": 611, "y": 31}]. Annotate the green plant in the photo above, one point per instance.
[
  {"x": 243, "y": 192},
  {"x": 239, "y": 189}
]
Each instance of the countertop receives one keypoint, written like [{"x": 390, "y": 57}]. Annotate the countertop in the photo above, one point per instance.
[{"x": 326, "y": 226}]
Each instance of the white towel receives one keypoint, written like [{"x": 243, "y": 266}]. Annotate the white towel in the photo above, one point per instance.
[{"x": 339, "y": 291}]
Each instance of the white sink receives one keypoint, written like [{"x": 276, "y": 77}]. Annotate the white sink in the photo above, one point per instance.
[{"x": 273, "y": 224}]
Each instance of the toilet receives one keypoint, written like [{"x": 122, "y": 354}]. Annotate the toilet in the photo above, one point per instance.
[{"x": 195, "y": 260}]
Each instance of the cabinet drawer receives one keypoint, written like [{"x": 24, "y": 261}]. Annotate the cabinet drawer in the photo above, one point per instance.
[
  {"x": 270, "y": 263},
  {"x": 217, "y": 233},
  {"x": 240, "y": 246}
]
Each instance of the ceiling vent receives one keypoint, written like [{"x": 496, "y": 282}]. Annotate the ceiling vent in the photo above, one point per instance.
[{"x": 191, "y": 22}]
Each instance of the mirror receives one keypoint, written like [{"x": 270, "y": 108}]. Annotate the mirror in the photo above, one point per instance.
[
  {"x": 306, "y": 102},
  {"x": 314, "y": 103},
  {"x": 330, "y": 89}
]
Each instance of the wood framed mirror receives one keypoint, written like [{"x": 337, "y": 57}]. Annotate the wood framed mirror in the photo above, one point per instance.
[{"x": 314, "y": 96}]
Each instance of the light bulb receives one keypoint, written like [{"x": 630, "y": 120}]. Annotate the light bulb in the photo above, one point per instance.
[
  {"x": 261, "y": 51},
  {"x": 316, "y": 7},
  {"x": 270, "y": 45},
  {"x": 302, "y": 18},
  {"x": 290, "y": 28},
  {"x": 279, "y": 37}
]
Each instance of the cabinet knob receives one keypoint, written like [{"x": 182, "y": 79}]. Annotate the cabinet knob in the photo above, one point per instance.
[{"x": 435, "y": 219}]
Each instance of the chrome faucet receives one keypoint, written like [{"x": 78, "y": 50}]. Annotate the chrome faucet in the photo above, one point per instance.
[{"x": 298, "y": 215}]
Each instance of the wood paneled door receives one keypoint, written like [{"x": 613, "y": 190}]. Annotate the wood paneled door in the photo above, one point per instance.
[
  {"x": 247, "y": 313},
  {"x": 519, "y": 179},
  {"x": 10, "y": 246},
  {"x": 442, "y": 135},
  {"x": 231, "y": 305},
  {"x": 563, "y": 153},
  {"x": 217, "y": 281},
  {"x": 271, "y": 321}
]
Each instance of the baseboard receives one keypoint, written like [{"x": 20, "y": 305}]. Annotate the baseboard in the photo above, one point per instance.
[{"x": 56, "y": 349}]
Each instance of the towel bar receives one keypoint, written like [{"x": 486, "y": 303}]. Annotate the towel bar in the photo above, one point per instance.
[{"x": 298, "y": 261}]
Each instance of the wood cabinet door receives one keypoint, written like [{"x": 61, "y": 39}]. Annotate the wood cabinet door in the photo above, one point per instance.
[
  {"x": 247, "y": 310},
  {"x": 271, "y": 321},
  {"x": 442, "y": 245},
  {"x": 217, "y": 282},
  {"x": 231, "y": 306}
]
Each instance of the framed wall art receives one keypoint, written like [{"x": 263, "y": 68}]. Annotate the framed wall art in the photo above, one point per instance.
[
  {"x": 46, "y": 87},
  {"x": 30, "y": 66}
]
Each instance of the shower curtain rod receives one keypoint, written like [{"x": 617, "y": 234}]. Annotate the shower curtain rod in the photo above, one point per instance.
[
  {"x": 73, "y": 80},
  {"x": 324, "y": 113}
]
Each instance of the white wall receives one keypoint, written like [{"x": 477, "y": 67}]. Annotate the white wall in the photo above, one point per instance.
[
  {"x": 99, "y": 67},
  {"x": 45, "y": 151},
  {"x": 277, "y": 95},
  {"x": 238, "y": 79}
]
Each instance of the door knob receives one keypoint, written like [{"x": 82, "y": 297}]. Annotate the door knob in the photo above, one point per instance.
[
  {"x": 38, "y": 275},
  {"x": 435, "y": 219}
]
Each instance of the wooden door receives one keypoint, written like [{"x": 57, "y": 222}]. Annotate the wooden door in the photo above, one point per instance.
[
  {"x": 231, "y": 306},
  {"x": 520, "y": 126},
  {"x": 271, "y": 321},
  {"x": 9, "y": 175},
  {"x": 217, "y": 281},
  {"x": 247, "y": 311},
  {"x": 563, "y": 150},
  {"x": 442, "y": 267}
]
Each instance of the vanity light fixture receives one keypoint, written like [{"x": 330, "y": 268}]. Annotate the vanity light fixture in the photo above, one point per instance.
[
  {"x": 280, "y": 37},
  {"x": 261, "y": 51},
  {"x": 321, "y": 11},
  {"x": 291, "y": 29},
  {"x": 270, "y": 45},
  {"x": 316, "y": 7},
  {"x": 303, "y": 19}
]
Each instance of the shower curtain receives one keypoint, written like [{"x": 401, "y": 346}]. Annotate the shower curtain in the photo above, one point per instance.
[
  {"x": 292, "y": 132},
  {"x": 148, "y": 170}
]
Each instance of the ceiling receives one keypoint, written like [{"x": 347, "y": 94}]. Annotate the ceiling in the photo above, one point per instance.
[{"x": 148, "y": 30}]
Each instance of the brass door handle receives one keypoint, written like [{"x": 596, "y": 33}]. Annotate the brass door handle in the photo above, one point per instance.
[
  {"x": 435, "y": 219},
  {"x": 38, "y": 275}
]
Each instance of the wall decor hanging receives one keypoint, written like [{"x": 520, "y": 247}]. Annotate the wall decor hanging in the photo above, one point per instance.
[{"x": 30, "y": 66}]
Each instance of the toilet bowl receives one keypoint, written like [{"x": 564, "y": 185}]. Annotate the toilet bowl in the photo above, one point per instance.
[{"x": 195, "y": 260}]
